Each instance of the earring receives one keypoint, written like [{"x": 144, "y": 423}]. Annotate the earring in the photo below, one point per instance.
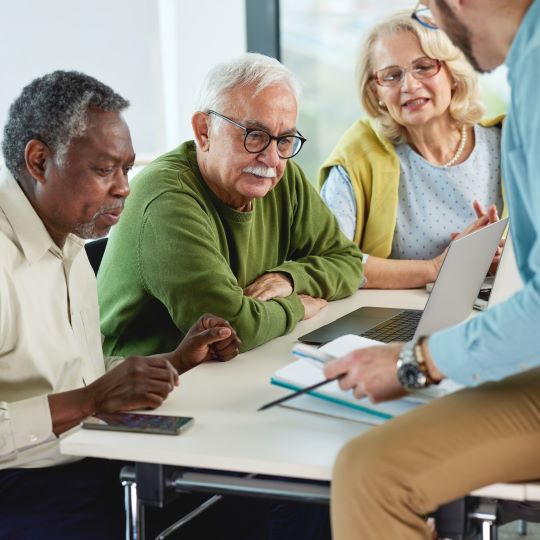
[{"x": 381, "y": 104}]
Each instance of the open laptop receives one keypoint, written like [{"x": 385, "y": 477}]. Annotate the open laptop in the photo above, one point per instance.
[
  {"x": 506, "y": 282},
  {"x": 450, "y": 302}
]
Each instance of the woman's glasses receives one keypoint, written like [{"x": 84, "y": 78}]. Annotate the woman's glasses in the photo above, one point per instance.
[{"x": 421, "y": 68}]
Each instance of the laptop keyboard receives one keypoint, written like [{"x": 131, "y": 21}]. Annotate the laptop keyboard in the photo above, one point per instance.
[{"x": 401, "y": 327}]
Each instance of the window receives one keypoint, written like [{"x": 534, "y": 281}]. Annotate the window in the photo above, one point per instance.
[{"x": 319, "y": 42}]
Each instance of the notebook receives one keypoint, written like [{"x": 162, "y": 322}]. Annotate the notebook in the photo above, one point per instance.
[
  {"x": 507, "y": 280},
  {"x": 461, "y": 275},
  {"x": 332, "y": 401}
]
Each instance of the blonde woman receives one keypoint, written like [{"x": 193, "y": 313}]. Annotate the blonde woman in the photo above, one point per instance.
[{"x": 423, "y": 166}]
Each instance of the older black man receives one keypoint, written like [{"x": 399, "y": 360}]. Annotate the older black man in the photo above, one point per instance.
[{"x": 67, "y": 153}]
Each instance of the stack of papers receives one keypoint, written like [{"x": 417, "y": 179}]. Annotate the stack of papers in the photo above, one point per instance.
[{"x": 331, "y": 400}]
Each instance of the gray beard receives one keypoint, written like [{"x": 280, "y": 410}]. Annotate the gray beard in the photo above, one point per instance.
[{"x": 87, "y": 231}]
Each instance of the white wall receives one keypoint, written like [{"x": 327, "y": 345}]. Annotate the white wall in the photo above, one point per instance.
[
  {"x": 195, "y": 35},
  {"x": 153, "y": 52}
]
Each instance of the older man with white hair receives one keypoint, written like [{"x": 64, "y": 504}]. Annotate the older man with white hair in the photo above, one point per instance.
[{"x": 227, "y": 223}]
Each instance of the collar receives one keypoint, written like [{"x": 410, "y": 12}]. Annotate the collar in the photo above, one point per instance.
[{"x": 32, "y": 236}]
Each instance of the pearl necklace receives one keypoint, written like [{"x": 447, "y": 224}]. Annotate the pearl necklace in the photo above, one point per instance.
[{"x": 459, "y": 151}]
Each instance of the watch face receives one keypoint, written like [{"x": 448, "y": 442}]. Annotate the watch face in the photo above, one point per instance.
[{"x": 411, "y": 377}]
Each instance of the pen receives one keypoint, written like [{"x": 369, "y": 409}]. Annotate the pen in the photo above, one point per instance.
[{"x": 298, "y": 393}]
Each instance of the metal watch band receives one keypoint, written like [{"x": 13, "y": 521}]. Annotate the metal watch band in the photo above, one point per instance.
[{"x": 412, "y": 371}]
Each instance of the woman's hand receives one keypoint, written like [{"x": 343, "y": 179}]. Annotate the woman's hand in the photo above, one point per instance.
[{"x": 484, "y": 217}]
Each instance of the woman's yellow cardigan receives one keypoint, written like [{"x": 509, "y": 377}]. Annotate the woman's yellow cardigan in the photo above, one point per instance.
[{"x": 373, "y": 167}]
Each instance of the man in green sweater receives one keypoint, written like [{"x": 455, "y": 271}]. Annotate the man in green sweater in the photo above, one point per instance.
[{"x": 225, "y": 224}]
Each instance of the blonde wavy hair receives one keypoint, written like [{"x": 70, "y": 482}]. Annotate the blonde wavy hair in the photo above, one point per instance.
[{"x": 465, "y": 105}]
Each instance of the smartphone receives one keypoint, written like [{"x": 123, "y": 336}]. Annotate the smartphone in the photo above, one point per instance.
[{"x": 140, "y": 423}]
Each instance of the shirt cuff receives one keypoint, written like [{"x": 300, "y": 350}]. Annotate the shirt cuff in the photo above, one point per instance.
[
  {"x": 25, "y": 424},
  {"x": 449, "y": 350},
  {"x": 112, "y": 361},
  {"x": 7, "y": 445}
]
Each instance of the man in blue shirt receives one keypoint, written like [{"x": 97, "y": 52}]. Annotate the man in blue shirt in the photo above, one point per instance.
[{"x": 386, "y": 481}]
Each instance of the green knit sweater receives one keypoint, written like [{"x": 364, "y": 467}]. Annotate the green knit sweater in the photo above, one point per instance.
[{"x": 179, "y": 252}]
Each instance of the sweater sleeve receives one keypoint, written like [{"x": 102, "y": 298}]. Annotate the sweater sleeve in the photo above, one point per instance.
[
  {"x": 181, "y": 264},
  {"x": 323, "y": 263}
]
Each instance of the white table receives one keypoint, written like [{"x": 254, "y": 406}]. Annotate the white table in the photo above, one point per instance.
[{"x": 229, "y": 435}]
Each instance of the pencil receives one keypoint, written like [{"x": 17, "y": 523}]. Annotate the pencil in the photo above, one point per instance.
[{"x": 298, "y": 393}]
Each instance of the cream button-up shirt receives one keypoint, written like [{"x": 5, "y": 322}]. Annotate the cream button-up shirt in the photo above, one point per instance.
[{"x": 49, "y": 329}]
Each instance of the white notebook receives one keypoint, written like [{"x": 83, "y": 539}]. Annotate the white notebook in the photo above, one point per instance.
[{"x": 331, "y": 400}]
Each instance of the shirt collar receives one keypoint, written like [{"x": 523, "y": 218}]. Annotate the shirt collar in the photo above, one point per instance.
[{"x": 30, "y": 231}]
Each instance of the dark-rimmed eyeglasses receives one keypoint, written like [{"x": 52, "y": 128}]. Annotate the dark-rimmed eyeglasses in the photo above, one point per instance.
[
  {"x": 421, "y": 68},
  {"x": 257, "y": 140},
  {"x": 423, "y": 15}
]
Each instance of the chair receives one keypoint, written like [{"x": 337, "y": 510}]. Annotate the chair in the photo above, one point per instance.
[{"x": 94, "y": 251}]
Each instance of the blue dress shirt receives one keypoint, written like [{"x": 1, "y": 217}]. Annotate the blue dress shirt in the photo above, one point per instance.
[{"x": 506, "y": 339}]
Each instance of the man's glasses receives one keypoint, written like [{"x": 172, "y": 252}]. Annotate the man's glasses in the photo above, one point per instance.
[
  {"x": 422, "y": 14},
  {"x": 421, "y": 68},
  {"x": 257, "y": 140}
]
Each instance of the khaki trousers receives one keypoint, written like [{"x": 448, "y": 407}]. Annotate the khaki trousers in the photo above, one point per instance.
[{"x": 388, "y": 479}]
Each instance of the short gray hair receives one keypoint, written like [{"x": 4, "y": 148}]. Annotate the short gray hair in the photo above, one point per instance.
[
  {"x": 54, "y": 109},
  {"x": 250, "y": 69}
]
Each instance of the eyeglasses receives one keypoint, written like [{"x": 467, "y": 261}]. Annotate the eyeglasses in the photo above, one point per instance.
[
  {"x": 423, "y": 15},
  {"x": 421, "y": 68},
  {"x": 257, "y": 140}
]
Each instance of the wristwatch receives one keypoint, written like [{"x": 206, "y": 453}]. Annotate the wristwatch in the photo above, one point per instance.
[{"x": 412, "y": 371}]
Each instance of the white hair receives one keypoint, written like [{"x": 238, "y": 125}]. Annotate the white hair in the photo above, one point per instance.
[{"x": 250, "y": 69}]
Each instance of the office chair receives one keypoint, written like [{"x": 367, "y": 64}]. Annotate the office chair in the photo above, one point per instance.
[{"x": 94, "y": 251}]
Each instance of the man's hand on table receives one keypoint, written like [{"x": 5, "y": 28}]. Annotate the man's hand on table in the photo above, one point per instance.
[
  {"x": 312, "y": 306},
  {"x": 279, "y": 285},
  {"x": 139, "y": 382},
  {"x": 210, "y": 338},
  {"x": 270, "y": 285},
  {"x": 144, "y": 382}
]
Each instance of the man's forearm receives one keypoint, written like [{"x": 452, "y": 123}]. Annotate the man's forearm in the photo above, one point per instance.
[{"x": 69, "y": 408}]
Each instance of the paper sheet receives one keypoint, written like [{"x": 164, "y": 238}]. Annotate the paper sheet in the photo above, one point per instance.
[{"x": 335, "y": 402}]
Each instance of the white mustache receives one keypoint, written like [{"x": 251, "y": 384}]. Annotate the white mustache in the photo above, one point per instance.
[{"x": 265, "y": 172}]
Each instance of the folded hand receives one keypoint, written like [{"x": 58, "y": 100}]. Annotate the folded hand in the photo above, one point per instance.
[{"x": 270, "y": 285}]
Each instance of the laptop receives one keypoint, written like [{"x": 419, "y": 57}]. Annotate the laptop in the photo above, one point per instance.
[
  {"x": 506, "y": 282},
  {"x": 463, "y": 270}
]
